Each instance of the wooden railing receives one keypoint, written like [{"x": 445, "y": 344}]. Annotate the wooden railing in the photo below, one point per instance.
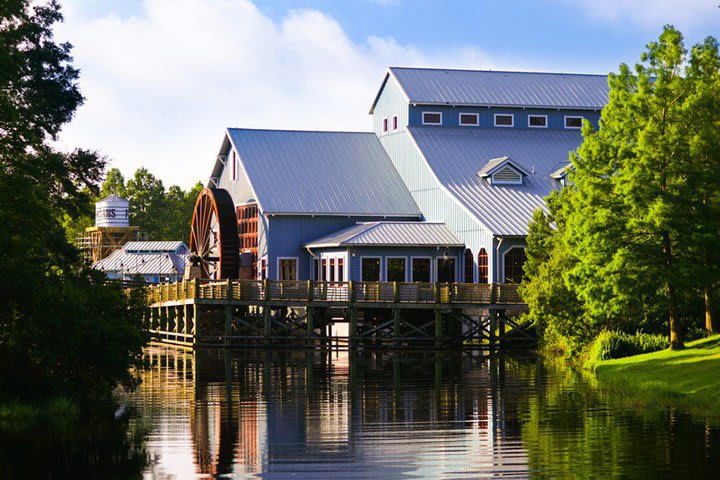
[{"x": 304, "y": 291}]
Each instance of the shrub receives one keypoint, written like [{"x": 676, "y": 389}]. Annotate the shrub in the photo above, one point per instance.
[{"x": 610, "y": 345}]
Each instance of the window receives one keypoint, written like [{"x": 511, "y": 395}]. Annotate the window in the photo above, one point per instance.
[
  {"x": 514, "y": 264},
  {"x": 469, "y": 119},
  {"x": 385, "y": 125},
  {"x": 537, "y": 121},
  {"x": 395, "y": 122},
  {"x": 263, "y": 269},
  {"x": 287, "y": 269},
  {"x": 370, "y": 269},
  {"x": 506, "y": 176},
  {"x": 420, "y": 270},
  {"x": 331, "y": 271},
  {"x": 482, "y": 266},
  {"x": 234, "y": 167},
  {"x": 469, "y": 267},
  {"x": 323, "y": 270},
  {"x": 573, "y": 122},
  {"x": 504, "y": 120},
  {"x": 316, "y": 269},
  {"x": 341, "y": 270},
  {"x": 395, "y": 269},
  {"x": 431, "y": 118},
  {"x": 445, "y": 269}
]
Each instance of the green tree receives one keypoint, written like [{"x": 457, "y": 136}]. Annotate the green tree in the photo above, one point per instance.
[
  {"x": 146, "y": 195},
  {"x": 114, "y": 184},
  {"x": 62, "y": 330}
]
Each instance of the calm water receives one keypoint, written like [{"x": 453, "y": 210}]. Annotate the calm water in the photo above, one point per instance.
[{"x": 282, "y": 414}]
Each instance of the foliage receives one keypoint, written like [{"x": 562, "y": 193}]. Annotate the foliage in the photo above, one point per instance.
[
  {"x": 637, "y": 235},
  {"x": 608, "y": 345},
  {"x": 685, "y": 376},
  {"x": 62, "y": 330}
]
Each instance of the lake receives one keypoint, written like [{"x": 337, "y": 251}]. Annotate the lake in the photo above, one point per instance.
[{"x": 382, "y": 414}]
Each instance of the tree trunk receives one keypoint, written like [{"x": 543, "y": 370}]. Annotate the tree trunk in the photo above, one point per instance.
[
  {"x": 676, "y": 340},
  {"x": 710, "y": 314}
]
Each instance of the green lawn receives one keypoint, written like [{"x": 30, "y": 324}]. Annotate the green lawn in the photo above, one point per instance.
[{"x": 687, "y": 378}]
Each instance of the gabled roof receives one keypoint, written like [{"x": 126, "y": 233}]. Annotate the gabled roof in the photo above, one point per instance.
[
  {"x": 321, "y": 173},
  {"x": 146, "y": 261},
  {"x": 496, "y": 164},
  {"x": 391, "y": 234},
  {"x": 431, "y": 86},
  {"x": 454, "y": 155},
  {"x": 561, "y": 170}
]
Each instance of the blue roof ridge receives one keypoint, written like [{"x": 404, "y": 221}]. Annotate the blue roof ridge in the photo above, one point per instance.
[{"x": 283, "y": 130}]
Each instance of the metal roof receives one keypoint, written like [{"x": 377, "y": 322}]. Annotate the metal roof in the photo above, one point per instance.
[
  {"x": 162, "y": 246},
  {"x": 496, "y": 163},
  {"x": 456, "y": 154},
  {"x": 141, "y": 263},
  {"x": 113, "y": 200},
  {"x": 321, "y": 173},
  {"x": 498, "y": 88},
  {"x": 391, "y": 234}
]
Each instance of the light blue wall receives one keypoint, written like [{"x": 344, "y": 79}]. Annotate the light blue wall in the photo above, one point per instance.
[
  {"x": 391, "y": 102},
  {"x": 287, "y": 236},
  {"x": 451, "y": 115}
]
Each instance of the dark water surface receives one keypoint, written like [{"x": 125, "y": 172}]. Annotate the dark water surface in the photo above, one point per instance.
[{"x": 377, "y": 415}]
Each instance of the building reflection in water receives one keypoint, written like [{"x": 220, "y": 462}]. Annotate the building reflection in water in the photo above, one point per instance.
[{"x": 329, "y": 414}]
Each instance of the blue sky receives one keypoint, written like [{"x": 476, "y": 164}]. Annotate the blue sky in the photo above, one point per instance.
[{"x": 163, "y": 78}]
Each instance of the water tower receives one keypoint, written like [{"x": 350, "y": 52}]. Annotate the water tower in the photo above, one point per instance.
[{"x": 112, "y": 229}]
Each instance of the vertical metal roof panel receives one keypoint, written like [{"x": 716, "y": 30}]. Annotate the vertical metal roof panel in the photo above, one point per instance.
[
  {"x": 322, "y": 173},
  {"x": 392, "y": 234},
  {"x": 497, "y": 88},
  {"x": 456, "y": 154}
]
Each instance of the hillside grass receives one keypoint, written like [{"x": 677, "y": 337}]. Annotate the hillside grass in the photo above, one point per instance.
[{"x": 688, "y": 378}]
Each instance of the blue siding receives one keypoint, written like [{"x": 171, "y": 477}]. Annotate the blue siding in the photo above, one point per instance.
[
  {"x": 451, "y": 115},
  {"x": 288, "y": 235},
  {"x": 407, "y": 253}
]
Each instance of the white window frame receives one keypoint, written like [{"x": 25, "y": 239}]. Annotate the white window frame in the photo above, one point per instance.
[
  {"x": 431, "y": 123},
  {"x": 385, "y": 265},
  {"x": 235, "y": 167},
  {"x": 277, "y": 266},
  {"x": 442, "y": 257},
  {"x": 259, "y": 266},
  {"x": 512, "y": 118},
  {"x": 536, "y": 115},
  {"x": 565, "y": 119},
  {"x": 395, "y": 123},
  {"x": 385, "y": 125},
  {"x": 410, "y": 270},
  {"x": 379, "y": 257},
  {"x": 477, "y": 119}
]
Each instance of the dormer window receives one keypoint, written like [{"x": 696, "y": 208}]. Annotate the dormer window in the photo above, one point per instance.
[
  {"x": 560, "y": 175},
  {"x": 504, "y": 120},
  {"x": 431, "y": 118},
  {"x": 537, "y": 121},
  {"x": 503, "y": 171},
  {"x": 469, "y": 119},
  {"x": 573, "y": 122}
]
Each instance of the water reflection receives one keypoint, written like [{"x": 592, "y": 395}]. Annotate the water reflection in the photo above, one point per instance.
[{"x": 278, "y": 414}]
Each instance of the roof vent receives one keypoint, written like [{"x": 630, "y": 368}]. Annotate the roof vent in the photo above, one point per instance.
[{"x": 503, "y": 171}]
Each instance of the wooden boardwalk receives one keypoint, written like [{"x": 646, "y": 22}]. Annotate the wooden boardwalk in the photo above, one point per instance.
[{"x": 241, "y": 312}]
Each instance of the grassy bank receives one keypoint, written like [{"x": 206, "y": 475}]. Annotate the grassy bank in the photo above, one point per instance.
[{"x": 688, "y": 378}]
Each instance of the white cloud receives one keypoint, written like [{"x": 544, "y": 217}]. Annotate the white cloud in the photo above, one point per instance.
[
  {"x": 653, "y": 13},
  {"x": 162, "y": 86}
]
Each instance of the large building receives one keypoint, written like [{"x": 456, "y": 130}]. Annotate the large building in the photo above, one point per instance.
[{"x": 443, "y": 189}]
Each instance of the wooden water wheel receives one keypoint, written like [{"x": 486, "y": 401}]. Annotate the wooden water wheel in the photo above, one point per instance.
[{"x": 214, "y": 236}]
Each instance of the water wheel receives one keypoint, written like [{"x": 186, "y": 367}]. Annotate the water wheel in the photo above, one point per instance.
[{"x": 214, "y": 239}]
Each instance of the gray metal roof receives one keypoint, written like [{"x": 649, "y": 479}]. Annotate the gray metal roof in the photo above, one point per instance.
[
  {"x": 139, "y": 263},
  {"x": 391, "y": 234},
  {"x": 154, "y": 246},
  {"x": 322, "y": 173},
  {"x": 456, "y": 154},
  {"x": 498, "y": 88},
  {"x": 496, "y": 163}
]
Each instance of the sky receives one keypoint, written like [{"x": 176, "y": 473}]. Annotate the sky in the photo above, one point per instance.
[{"x": 162, "y": 79}]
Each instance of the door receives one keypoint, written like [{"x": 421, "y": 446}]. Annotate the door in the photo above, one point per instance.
[
  {"x": 288, "y": 269},
  {"x": 446, "y": 269}
]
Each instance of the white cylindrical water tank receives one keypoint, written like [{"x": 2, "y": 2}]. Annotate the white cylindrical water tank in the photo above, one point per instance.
[{"x": 112, "y": 211}]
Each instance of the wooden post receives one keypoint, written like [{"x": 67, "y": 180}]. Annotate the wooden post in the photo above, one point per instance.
[
  {"x": 396, "y": 310},
  {"x": 352, "y": 333},
  {"x": 492, "y": 327},
  {"x": 196, "y": 321},
  {"x": 185, "y": 318},
  {"x": 501, "y": 326},
  {"x": 228, "y": 311},
  {"x": 438, "y": 326},
  {"x": 267, "y": 325},
  {"x": 310, "y": 312}
]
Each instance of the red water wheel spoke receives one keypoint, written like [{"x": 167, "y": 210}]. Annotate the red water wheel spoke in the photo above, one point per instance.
[{"x": 214, "y": 240}]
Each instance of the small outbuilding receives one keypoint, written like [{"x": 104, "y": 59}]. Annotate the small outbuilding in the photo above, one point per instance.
[{"x": 155, "y": 262}]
